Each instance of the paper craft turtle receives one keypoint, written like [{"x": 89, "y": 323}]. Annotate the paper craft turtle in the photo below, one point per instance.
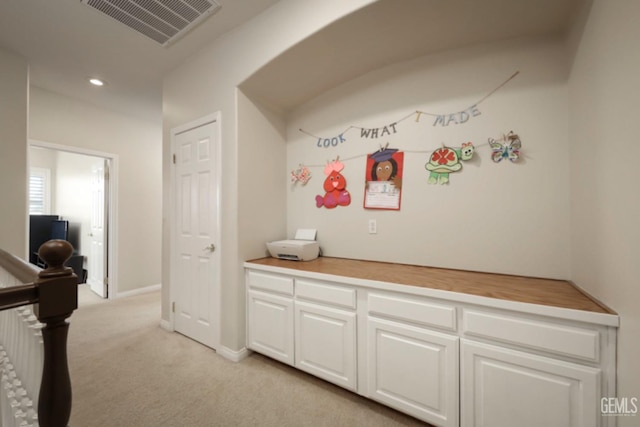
[
  {"x": 335, "y": 186},
  {"x": 445, "y": 160}
]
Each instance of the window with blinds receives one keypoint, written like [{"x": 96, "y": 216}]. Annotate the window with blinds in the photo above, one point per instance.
[{"x": 39, "y": 193}]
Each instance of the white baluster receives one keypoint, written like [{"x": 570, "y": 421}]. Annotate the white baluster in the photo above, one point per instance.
[{"x": 21, "y": 362}]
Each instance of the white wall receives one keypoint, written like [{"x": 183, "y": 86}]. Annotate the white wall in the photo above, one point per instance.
[
  {"x": 550, "y": 215},
  {"x": 261, "y": 143},
  {"x": 605, "y": 201},
  {"x": 207, "y": 83},
  {"x": 503, "y": 218},
  {"x": 14, "y": 93},
  {"x": 60, "y": 120},
  {"x": 261, "y": 201}
]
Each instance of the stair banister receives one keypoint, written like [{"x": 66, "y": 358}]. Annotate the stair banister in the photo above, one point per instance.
[{"x": 54, "y": 294}]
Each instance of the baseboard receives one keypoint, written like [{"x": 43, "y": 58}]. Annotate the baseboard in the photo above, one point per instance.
[
  {"x": 139, "y": 291},
  {"x": 233, "y": 355},
  {"x": 166, "y": 325}
]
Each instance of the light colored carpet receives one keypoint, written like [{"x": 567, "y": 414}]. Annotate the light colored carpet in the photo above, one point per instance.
[{"x": 127, "y": 371}]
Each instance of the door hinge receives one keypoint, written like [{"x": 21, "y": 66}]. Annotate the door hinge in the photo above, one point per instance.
[
  {"x": 105, "y": 281},
  {"x": 174, "y": 159},
  {"x": 173, "y": 307}
]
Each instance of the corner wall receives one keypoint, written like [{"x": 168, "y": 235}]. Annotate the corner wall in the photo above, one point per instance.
[
  {"x": 14, "y": 99},
  {"x": 207, "y": 83},
  {"x": 605, "y": 201},
  {"x": 495, "y": 217}
]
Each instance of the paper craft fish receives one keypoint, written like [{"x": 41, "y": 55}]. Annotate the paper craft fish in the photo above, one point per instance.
[
  {"x": 335, "y": 187},
  {"x": 507, "y": 147}
]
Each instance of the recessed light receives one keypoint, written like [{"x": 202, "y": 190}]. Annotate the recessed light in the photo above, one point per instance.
[{"x": 96, "y": 82}]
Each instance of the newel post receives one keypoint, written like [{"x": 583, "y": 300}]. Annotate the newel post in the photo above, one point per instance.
[{"x": 58, "y": 297}]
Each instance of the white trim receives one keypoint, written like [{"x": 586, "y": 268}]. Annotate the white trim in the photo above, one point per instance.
[
  {"x": 211, "y": 118},
  {"x": 202, "y": 121},
  {"x": 166, "y": 325},
  {"x": 71, "y": 149},
  {"x": 112, "y": 232},
  {"x": 233, "y": 355},
  {"x": 139, "y": 291}
]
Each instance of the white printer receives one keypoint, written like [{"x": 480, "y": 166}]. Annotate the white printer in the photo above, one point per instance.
[{"x": 303, "y": 247}]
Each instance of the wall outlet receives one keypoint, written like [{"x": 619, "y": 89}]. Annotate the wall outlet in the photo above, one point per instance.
[{"x": 373, "y": 226}]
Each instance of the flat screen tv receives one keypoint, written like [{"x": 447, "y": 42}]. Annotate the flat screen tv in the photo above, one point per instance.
[{"x": 60, "y": 229}]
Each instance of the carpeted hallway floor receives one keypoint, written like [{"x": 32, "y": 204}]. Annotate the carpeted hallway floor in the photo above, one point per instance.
[{"x": 127, "y": 371}]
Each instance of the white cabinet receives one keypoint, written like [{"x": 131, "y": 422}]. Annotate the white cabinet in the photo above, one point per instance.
[
  {"x": 325, "y": 343},
  {"x": 270, "y": 315},
  {"x": 414, "y": 370},
  {"x": 411, "y": 365},
  {"x": 446, "y": 358},
  {"x": 270, "y": 325},
  {"x": 502, "y": 387},
  {"x": 305, "y": 323},
  {"x": 537, "y": 370},
  {"x": 325, "y": 331}
]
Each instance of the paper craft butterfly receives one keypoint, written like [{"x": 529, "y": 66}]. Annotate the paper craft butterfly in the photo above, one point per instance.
[
  {"x": 507, "y": 147},
  {"x": 301, "y": 174}
]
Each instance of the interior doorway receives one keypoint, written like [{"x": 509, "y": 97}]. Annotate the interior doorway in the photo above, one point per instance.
[{"x": 79, "y": 195}]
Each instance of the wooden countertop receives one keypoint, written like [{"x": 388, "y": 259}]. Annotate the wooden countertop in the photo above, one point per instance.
[{"x": 554, "y": 293}]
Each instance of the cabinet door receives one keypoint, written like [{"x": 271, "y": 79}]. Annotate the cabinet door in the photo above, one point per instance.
[
  {"x": 414, "y": 370},
  {"x": 270, "y": 325},
  {"x": 503, "y": 387},
  {"x": 325, "y": 342}
]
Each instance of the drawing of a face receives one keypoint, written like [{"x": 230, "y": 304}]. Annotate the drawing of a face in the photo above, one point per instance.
[{"x": 384, "y": 170}]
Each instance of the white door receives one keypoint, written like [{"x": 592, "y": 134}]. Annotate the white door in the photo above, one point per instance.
[
  {"x": 503, "y": 387},
  {"x": 195, "y": 284},
  {"x": 97, "y": 257}
]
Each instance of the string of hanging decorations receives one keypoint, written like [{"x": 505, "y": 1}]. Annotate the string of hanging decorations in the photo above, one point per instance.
[
  {"x": 384, "y": 172},
  {"x": 443, "y": 120},
  {"x": 507, "y": 146}
]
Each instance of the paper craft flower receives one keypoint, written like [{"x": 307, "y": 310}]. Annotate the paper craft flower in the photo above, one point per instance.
[
  {"x": 301, "y": 174},
  {"x": 507, "y": 147}
]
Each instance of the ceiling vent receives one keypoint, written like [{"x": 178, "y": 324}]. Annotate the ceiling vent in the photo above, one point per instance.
[{"x": 164, "y": 21}]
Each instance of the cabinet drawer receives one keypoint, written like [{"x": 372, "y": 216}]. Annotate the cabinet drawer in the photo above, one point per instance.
[
  {"x": 312, "y": 290},
  {"x": 416, "y": 310},
  {"x": 270, "y": 282},
  {"x": 535, "y": 334}
]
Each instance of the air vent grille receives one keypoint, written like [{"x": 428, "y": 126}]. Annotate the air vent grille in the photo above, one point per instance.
[{"x": 161, "y": 20}]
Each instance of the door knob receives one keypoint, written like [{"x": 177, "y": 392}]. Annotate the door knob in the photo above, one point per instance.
[{"x": 210, "y": 248}]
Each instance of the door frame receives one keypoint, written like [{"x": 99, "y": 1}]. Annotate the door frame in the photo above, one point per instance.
[
  {"x": 173, "y": 229},
  {"x": 112, "y": 210}
]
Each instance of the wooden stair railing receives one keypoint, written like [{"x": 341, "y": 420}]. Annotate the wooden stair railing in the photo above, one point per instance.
[{"x": 54, "y": 294}]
